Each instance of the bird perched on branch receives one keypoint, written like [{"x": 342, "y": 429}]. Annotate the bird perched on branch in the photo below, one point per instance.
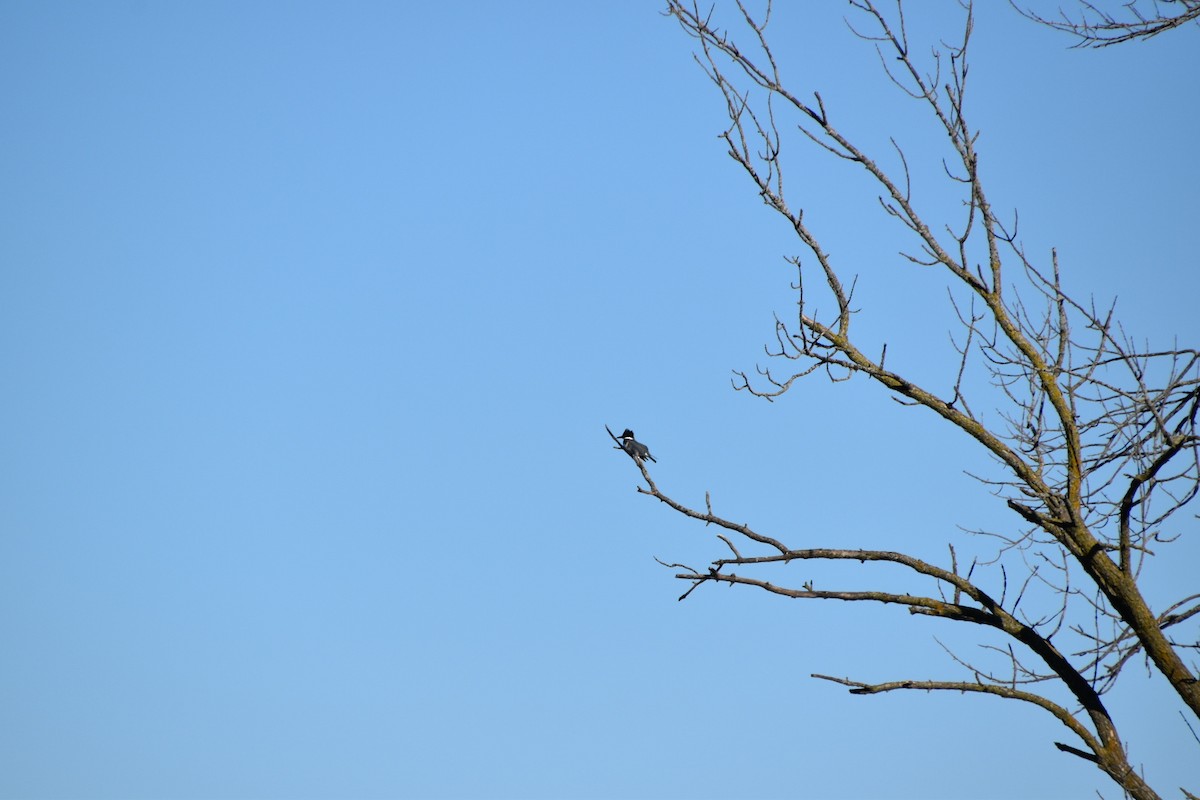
[{"x": 635, "y": 448}]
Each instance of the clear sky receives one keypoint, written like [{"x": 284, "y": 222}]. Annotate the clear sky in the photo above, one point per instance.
[{"x": 311, "y": 317}]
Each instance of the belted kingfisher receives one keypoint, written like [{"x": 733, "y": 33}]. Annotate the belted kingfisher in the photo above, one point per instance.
[{"x": 635, "y": 448}]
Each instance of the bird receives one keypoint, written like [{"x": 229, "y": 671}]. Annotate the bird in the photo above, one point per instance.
[{"x": 635, "y": 448}]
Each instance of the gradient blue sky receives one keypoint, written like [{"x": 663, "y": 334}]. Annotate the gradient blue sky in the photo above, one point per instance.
[{"x": 311, "y": 316}]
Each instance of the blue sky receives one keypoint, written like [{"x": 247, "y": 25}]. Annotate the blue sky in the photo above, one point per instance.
[{"x": 311, "y": 316}]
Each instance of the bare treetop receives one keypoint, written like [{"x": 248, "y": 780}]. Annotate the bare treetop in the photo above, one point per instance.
[{"x": 1094, "y": 432}]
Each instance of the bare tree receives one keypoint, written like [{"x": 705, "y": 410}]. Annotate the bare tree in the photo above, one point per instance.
[
  {"x": 1096, "y": 27},
  {"x": 1094, "y": 435}
]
